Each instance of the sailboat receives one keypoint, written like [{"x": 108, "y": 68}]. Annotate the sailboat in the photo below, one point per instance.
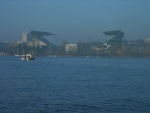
[{"x": 17, "y": 53}]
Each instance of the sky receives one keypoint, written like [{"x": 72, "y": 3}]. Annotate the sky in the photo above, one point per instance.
[{"x": 74, "y": 20}]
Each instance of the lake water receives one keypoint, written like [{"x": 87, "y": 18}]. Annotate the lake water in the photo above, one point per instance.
[{"x": 74, "y": 85}]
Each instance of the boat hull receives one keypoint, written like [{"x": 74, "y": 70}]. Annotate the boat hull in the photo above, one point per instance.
[{"x": 28, "y": 58}]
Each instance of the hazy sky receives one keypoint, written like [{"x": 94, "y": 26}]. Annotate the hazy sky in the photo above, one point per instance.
[{"x": 74, "y": 20}]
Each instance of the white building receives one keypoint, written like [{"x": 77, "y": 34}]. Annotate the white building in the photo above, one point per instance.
[
  {"x": 70, "y": 48},
  {"x": 147, "y": 40}
]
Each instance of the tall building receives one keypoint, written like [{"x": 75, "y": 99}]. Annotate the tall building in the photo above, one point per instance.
[{"x": 24, "y": 37}]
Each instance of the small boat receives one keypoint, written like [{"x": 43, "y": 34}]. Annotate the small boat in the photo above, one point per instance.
[
  {"x": 28, "y": 57},
  {"x": 17, "y": 55}
]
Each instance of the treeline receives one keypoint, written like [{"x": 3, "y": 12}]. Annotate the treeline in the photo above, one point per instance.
[{"x": 133, "y": 48}]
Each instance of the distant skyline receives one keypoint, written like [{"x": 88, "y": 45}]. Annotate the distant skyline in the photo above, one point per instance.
[{"x": 74, "y": 20}]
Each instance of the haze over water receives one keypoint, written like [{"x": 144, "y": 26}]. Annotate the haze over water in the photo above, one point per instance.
[
  {"x": 74, "y": 20},
  {"x": 74, "y": 85}
]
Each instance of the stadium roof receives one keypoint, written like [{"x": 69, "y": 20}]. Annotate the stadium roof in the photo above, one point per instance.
[{"x": 41, "y": 33}]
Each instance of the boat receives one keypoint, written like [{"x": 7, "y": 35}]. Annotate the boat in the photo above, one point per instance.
[
  {"x": 17, "y": 55},
  {"x": 28, "y": 57}
]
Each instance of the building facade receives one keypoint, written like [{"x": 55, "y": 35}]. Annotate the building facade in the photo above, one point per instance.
[{"x": 71, "y": 48}]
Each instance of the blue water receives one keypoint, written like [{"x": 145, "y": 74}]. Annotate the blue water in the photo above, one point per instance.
[{"x": 74, "y": 85}]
